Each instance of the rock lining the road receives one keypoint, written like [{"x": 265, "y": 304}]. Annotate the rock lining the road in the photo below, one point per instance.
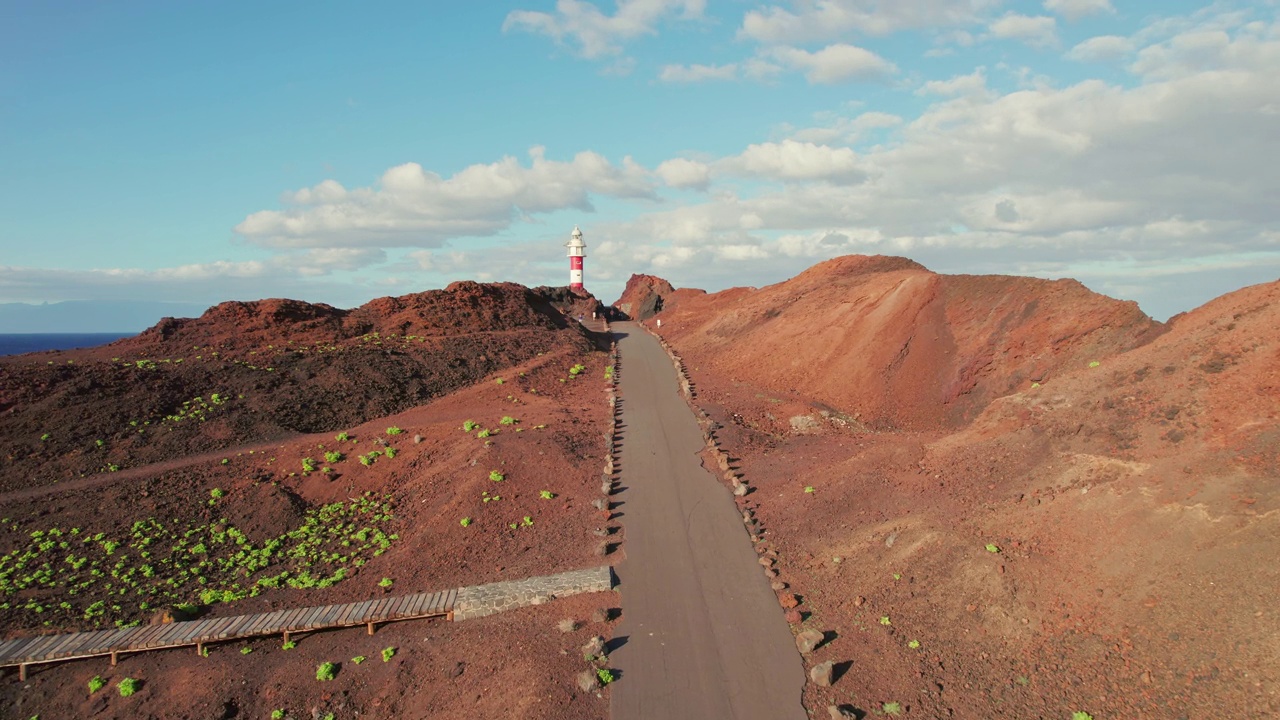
[{"x": 481, "y": 600}]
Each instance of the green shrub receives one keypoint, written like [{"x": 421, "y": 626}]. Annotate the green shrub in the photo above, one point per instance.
[
  {"x": 332, "y": 456},
  {"x": 127, "y": 687},
  {"x": 393, "y": 430},
  {"x": 388, "y": 653},
  {"x": 326, "y": 671},
  {"x": 342, "y": 437},
  {"x": 96, "y": 683}
]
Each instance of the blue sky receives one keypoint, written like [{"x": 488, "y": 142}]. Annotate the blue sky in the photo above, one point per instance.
[{"x": 337, "y": 152}]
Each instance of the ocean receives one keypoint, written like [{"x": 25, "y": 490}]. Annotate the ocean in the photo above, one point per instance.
[{"x": 19, "y": 343}]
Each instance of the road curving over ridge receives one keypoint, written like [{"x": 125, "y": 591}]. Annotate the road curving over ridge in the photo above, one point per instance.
[{"x": 702, "y": 635}]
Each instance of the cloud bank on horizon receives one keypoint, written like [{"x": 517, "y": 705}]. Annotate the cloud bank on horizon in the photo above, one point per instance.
[{"x": 1134, "y": 146}]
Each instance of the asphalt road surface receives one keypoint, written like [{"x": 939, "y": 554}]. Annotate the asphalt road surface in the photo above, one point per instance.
[{"x": 702, "y": 635}]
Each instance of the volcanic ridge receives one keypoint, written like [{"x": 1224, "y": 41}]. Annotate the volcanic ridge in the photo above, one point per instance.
[{"x": 1003, "y": 496}]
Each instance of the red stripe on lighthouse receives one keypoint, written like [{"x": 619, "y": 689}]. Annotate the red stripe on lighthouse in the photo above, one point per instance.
[{"x": 575, "y": 263}]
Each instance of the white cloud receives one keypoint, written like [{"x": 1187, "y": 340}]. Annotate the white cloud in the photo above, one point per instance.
[
  {"x": 697, "y": 73},
  {"x": 596, "y": 34},
  {"x": 847, "y": 130},
  {"x": 761, "y": 70},
  {"x": 682, "y": 173},
  {"x": 322, "y": 261},
  {"x": 1103, "y": 48},
  {"x": 1040, "y": 31},
  {"x": 1209, "y": 50},
  {"x": 288, "y": 274},
  {"x": 820, "y": 20},
  {"x": 971, "y": 84},
  {"x": 834, "y": 63},
  {"x": 1158, "y": 178},
  {"x": 415, "y": 207},
  {"x": 793, "y": 160},
  {"x": 1075, "y": 9}
]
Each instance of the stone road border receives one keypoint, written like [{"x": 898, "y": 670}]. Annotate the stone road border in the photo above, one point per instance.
[{"x": 481, "y": 600}]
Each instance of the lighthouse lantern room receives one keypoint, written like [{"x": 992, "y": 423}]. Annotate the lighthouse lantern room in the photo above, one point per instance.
[{"x": 577, "y": 251}]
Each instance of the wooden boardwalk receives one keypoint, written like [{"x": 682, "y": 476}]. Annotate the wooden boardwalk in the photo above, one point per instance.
[{"x": 73, "y": 646}]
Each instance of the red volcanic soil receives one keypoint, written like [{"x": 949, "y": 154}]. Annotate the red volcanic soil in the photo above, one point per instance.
[
  {"x": 895, "y": 346},
  {"x": 213, "y": 505},
  {"x": 277, "y": 367},
  {"x": 1008, "y": 497}
]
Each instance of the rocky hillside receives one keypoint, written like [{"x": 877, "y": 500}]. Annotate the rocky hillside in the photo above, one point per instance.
[
  {"x": 1006, "y": 496},
  {"x": 643, "y": 297},
  {"x": 260, "y": 370},
  {"x": 886, "y": 343}
]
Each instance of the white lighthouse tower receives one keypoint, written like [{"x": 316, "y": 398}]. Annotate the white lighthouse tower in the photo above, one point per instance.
[{"x": 577, "y": 251}]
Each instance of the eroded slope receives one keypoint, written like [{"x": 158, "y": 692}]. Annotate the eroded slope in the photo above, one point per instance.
[{"x": 1085, "y": 524}]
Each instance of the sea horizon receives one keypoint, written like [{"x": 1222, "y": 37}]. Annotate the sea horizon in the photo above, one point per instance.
[{"x": 23, "y": 343}]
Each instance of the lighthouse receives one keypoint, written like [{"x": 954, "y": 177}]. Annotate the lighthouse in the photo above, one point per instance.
[{"x": 577, "y": 251}]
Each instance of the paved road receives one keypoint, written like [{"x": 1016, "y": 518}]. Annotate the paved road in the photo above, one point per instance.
[{"x": 704, "y": 636}]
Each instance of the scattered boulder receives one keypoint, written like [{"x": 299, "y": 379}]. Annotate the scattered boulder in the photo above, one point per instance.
[
  {"x": 807, "y": 640},
  {"x": 840, "y": 713},
  {"x": 805, "y": 424},
  {"x": 788, "y": 601},
  {"x": 594, "y": 648},
  {"x": 567, "y": 625},
  {"x": 793, "y": 617},
  {"x": 778, "y": 585},
  {"x": 600, "y": 615},
  {"x": 821, "y": 673},
  {"x": 587, "y": 681}
]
